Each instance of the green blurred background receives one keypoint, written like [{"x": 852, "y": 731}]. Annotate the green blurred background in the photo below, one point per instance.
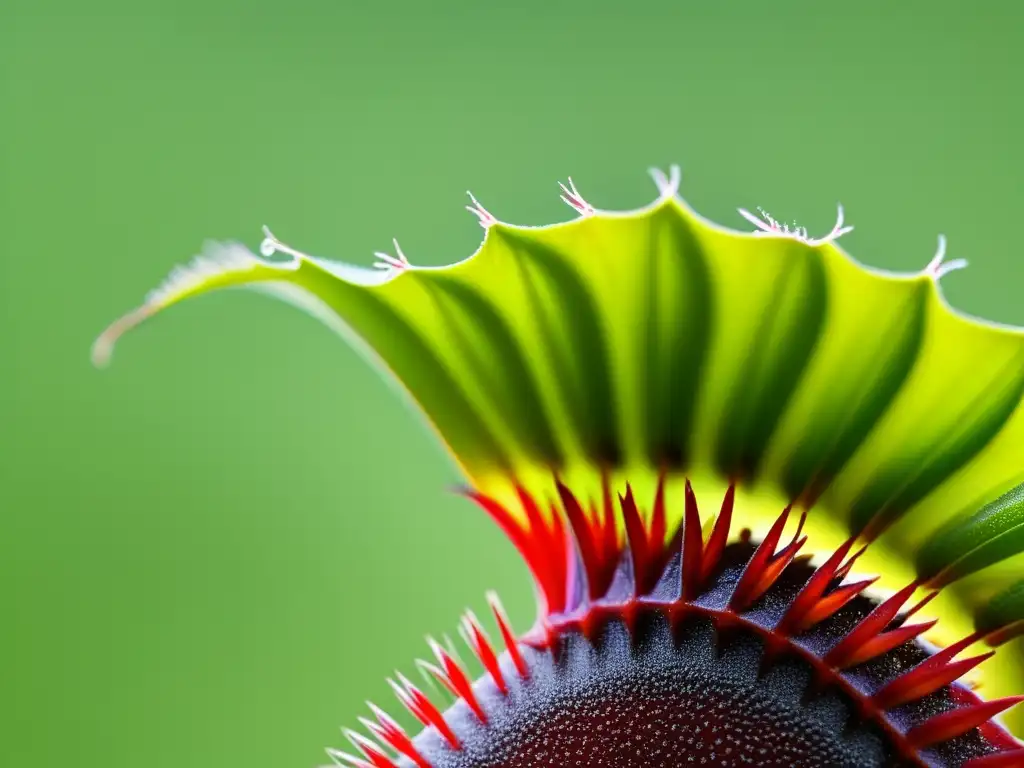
[{"x": 214, "y": 551}]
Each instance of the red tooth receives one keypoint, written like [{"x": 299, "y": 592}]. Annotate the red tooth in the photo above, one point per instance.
[
  {"x": 597, "y": 539},
  {"x": 719, "y": 535},
  {"x": 795, "y": 620},
  {"x": 913, "y": 677},
  {"x": 636, "y": 534},
  {"x": 831, "y": 603},
  {"x": 774, "y": 569},
  {"x": 693, "y": 547},
  {"x": 610, "y": 543},
  {"x": 542, "y": 544},
  {"x": 884, "y": 643},
  {"x": 485, "y": 651},
  {"x": 553, "y": 543},
  {"x": 508, "y": 637},
  {"x": 452, "y": 676},
  {"x": 389, "y": 732},
  {"x": 650, "y": 552},
  {"x": 373, "y": 753},
  {"x": 424, "y": 710},
  {"x": 659, "y": 526},
  {"x": 869, "y": 628},
  {"x": 957, "y": 722},
  {"x": 919, "y": 682},
  {"x": 752, "y": 574},
  {"x": 844, "y": 571}
]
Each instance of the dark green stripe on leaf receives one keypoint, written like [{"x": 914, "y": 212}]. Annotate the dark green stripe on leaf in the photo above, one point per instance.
[
  {"x": 497, "y": 362},
  {"x": 965, "y": 546},
  {"x": 675, "y": 335},
  {"x": 905, "y": 483},
  {"x": 842, "y": 418},
  {"x": 787, "y": 331},
  {"x": 574, "y": 342}
]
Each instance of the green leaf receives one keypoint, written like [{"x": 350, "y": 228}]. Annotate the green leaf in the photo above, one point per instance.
[
  {"x": 965, "y": 546},
  {"x": 675, "y": 332},
  {"x": 655, "y": 341}
]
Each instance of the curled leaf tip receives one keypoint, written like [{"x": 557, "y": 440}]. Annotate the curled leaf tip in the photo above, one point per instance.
[
  {"x": 216, "y": 261},
  {"x": 938, "y": 268},
  {"x": 219, "y": 265},
  {"x": 571, "y": 197},
  {"x": 485, "y": 217},
  {"x": 396, "y": 263}
]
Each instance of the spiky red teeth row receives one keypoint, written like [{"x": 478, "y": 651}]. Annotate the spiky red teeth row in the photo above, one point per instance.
[
  {"x": 957, "y": 722},
  {"x": 450, "y": 674},
  {"x": 930, "y": 675},
  {"x": 594, "y": 539}
]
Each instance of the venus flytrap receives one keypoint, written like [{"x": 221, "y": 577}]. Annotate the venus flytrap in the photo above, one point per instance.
[{"x": 698, "y": 438}]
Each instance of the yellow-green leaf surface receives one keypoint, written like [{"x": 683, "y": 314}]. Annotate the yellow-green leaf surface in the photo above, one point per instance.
[{"x": 649, "y": 341}]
